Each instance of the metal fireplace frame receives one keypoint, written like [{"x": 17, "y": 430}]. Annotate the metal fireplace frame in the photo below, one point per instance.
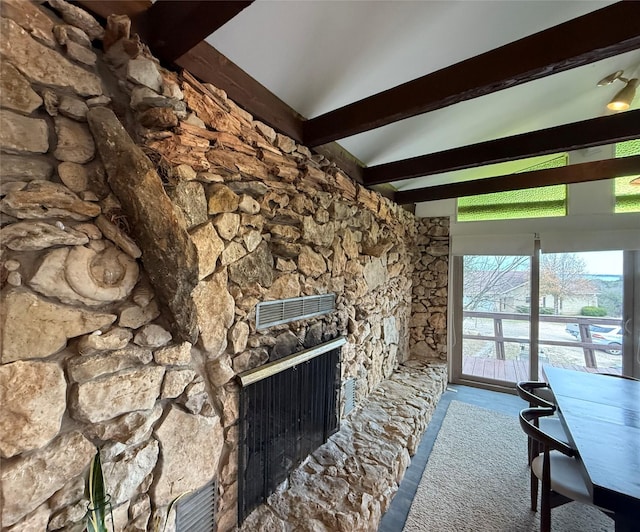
[{"x": 294, "y": 418}]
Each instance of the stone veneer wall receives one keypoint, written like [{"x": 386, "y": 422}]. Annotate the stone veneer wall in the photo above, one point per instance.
[
  {"x": 129, "y": 283},
  {"x": 428, "y": 323}
]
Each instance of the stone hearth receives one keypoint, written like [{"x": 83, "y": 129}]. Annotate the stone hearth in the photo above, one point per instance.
[{"x": 348, "y": 483}]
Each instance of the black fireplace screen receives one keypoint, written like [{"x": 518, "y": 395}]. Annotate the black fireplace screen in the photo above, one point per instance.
[{"x": 283, "y": 419}]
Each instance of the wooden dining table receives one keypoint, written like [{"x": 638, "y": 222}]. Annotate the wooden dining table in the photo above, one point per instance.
[{"x": 601, "y": 415}]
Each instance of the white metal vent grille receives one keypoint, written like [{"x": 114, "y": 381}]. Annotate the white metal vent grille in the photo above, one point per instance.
[
  {"x": 270, "y": 313},
  {"x": 349, "y": 395},
  {"x": 196, "y": 512}
]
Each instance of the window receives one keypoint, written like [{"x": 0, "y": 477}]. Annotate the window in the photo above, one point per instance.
[
  {"x": 492, "y": 339},
  {"x": 529, "y": 203},
  {"x": 627, "y": 194}
]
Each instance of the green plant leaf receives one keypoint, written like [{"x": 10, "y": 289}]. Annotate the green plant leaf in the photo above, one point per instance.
[
  {"x": 99, "y": 502},
  {"x": 156, "y": 524}
]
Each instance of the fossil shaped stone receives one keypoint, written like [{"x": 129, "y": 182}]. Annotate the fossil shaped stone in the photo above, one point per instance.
[
  {"x": 50, "y": 280},
  {"x": 87, "y": 276},
  {"x": 109, "y": 275}
]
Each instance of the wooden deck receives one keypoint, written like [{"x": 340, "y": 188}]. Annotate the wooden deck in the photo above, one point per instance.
[{"x": 513, "y": 370}]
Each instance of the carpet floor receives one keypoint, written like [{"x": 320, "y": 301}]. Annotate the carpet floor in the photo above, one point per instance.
[{"x": 477, "y": 480}]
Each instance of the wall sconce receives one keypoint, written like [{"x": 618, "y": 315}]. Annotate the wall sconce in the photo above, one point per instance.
[{"x": 622, "y": 100}]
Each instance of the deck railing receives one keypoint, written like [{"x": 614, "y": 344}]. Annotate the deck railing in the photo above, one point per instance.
[{"x": 586, "y": 342}]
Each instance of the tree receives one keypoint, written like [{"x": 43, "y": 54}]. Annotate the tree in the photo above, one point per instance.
[
  {"x": 563, "y": 275},
  {"x": 487, "y": 277},
  {"x": 610, "y": 296}
]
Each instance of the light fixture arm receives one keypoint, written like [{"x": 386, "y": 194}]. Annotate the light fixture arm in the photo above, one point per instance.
[{"x": 612, "y": 77}]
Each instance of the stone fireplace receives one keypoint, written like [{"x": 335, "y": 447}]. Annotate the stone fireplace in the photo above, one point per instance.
[
  {"x": 144, "y": 217},
  {"x": 288, "y": 408}
]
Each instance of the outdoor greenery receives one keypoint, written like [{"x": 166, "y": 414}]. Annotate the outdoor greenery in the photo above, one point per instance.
[
  {"x": 610, "y": 295},
  {"x": 593, "y": 311},
  {"x": 563, "y": 275}
]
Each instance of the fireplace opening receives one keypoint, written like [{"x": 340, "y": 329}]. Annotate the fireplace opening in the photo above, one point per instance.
[{"x": 288, "y": 408}]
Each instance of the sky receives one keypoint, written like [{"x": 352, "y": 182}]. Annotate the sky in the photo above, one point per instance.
[{"x": 603, "y": 262}]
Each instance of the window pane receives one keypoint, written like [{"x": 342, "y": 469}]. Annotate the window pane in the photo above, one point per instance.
[
  {"x": 495, "y": 329},
  {"x": 581, "y": 301},
  {"x": 529, "y": 203},
  {"x": 627, "y": 194}
]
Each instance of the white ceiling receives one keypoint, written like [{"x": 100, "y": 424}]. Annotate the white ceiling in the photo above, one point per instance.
[{"x": 317, "y": 56}]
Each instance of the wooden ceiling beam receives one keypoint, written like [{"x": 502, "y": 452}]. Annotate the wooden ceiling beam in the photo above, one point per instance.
[
  {"x": 210, "y": 66},
  {"x": 577, "y": 173},
  {"x": 173, "y": 27},
  {"x": 568, "y": 137},
  {"x": 343, "y": 159},
  {"x": 104, "y": 8},
  {"x": 603, "y": 33}
]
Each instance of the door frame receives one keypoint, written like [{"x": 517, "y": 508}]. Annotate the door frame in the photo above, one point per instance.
[
  {"x": 455, "y": 335},
  {"x": 631, "y": 314}
]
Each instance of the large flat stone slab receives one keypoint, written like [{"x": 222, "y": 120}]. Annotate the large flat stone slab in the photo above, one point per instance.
[
  {"x": 168, "y": 254},
  {"x": 188, "y": 443},
  {"x": 21, "y": 134},
  {"x": 16, "y": 92},
  {"x": 33, "y": 327},
  {"x": 33, "y": 398},
  {"x": 31, "y": 479},
  {"x": 116, "y": 394}
]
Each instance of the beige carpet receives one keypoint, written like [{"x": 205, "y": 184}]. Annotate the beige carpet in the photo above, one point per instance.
[{"x": 477, "y": 480}]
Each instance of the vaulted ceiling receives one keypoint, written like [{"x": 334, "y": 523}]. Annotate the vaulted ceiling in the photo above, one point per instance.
[{"x": 432, "y": 99}]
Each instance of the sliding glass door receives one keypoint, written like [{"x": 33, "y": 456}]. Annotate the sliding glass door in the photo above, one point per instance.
[
  {"x": 494, "y": 310},
  {"x": 512, "y": 314},
  {"x": 581, "y": 310}
]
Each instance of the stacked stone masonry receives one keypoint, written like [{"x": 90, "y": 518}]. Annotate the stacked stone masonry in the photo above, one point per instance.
[
  {"x": 143, "y": 217},
  {"x": 428, "y": 324}
]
